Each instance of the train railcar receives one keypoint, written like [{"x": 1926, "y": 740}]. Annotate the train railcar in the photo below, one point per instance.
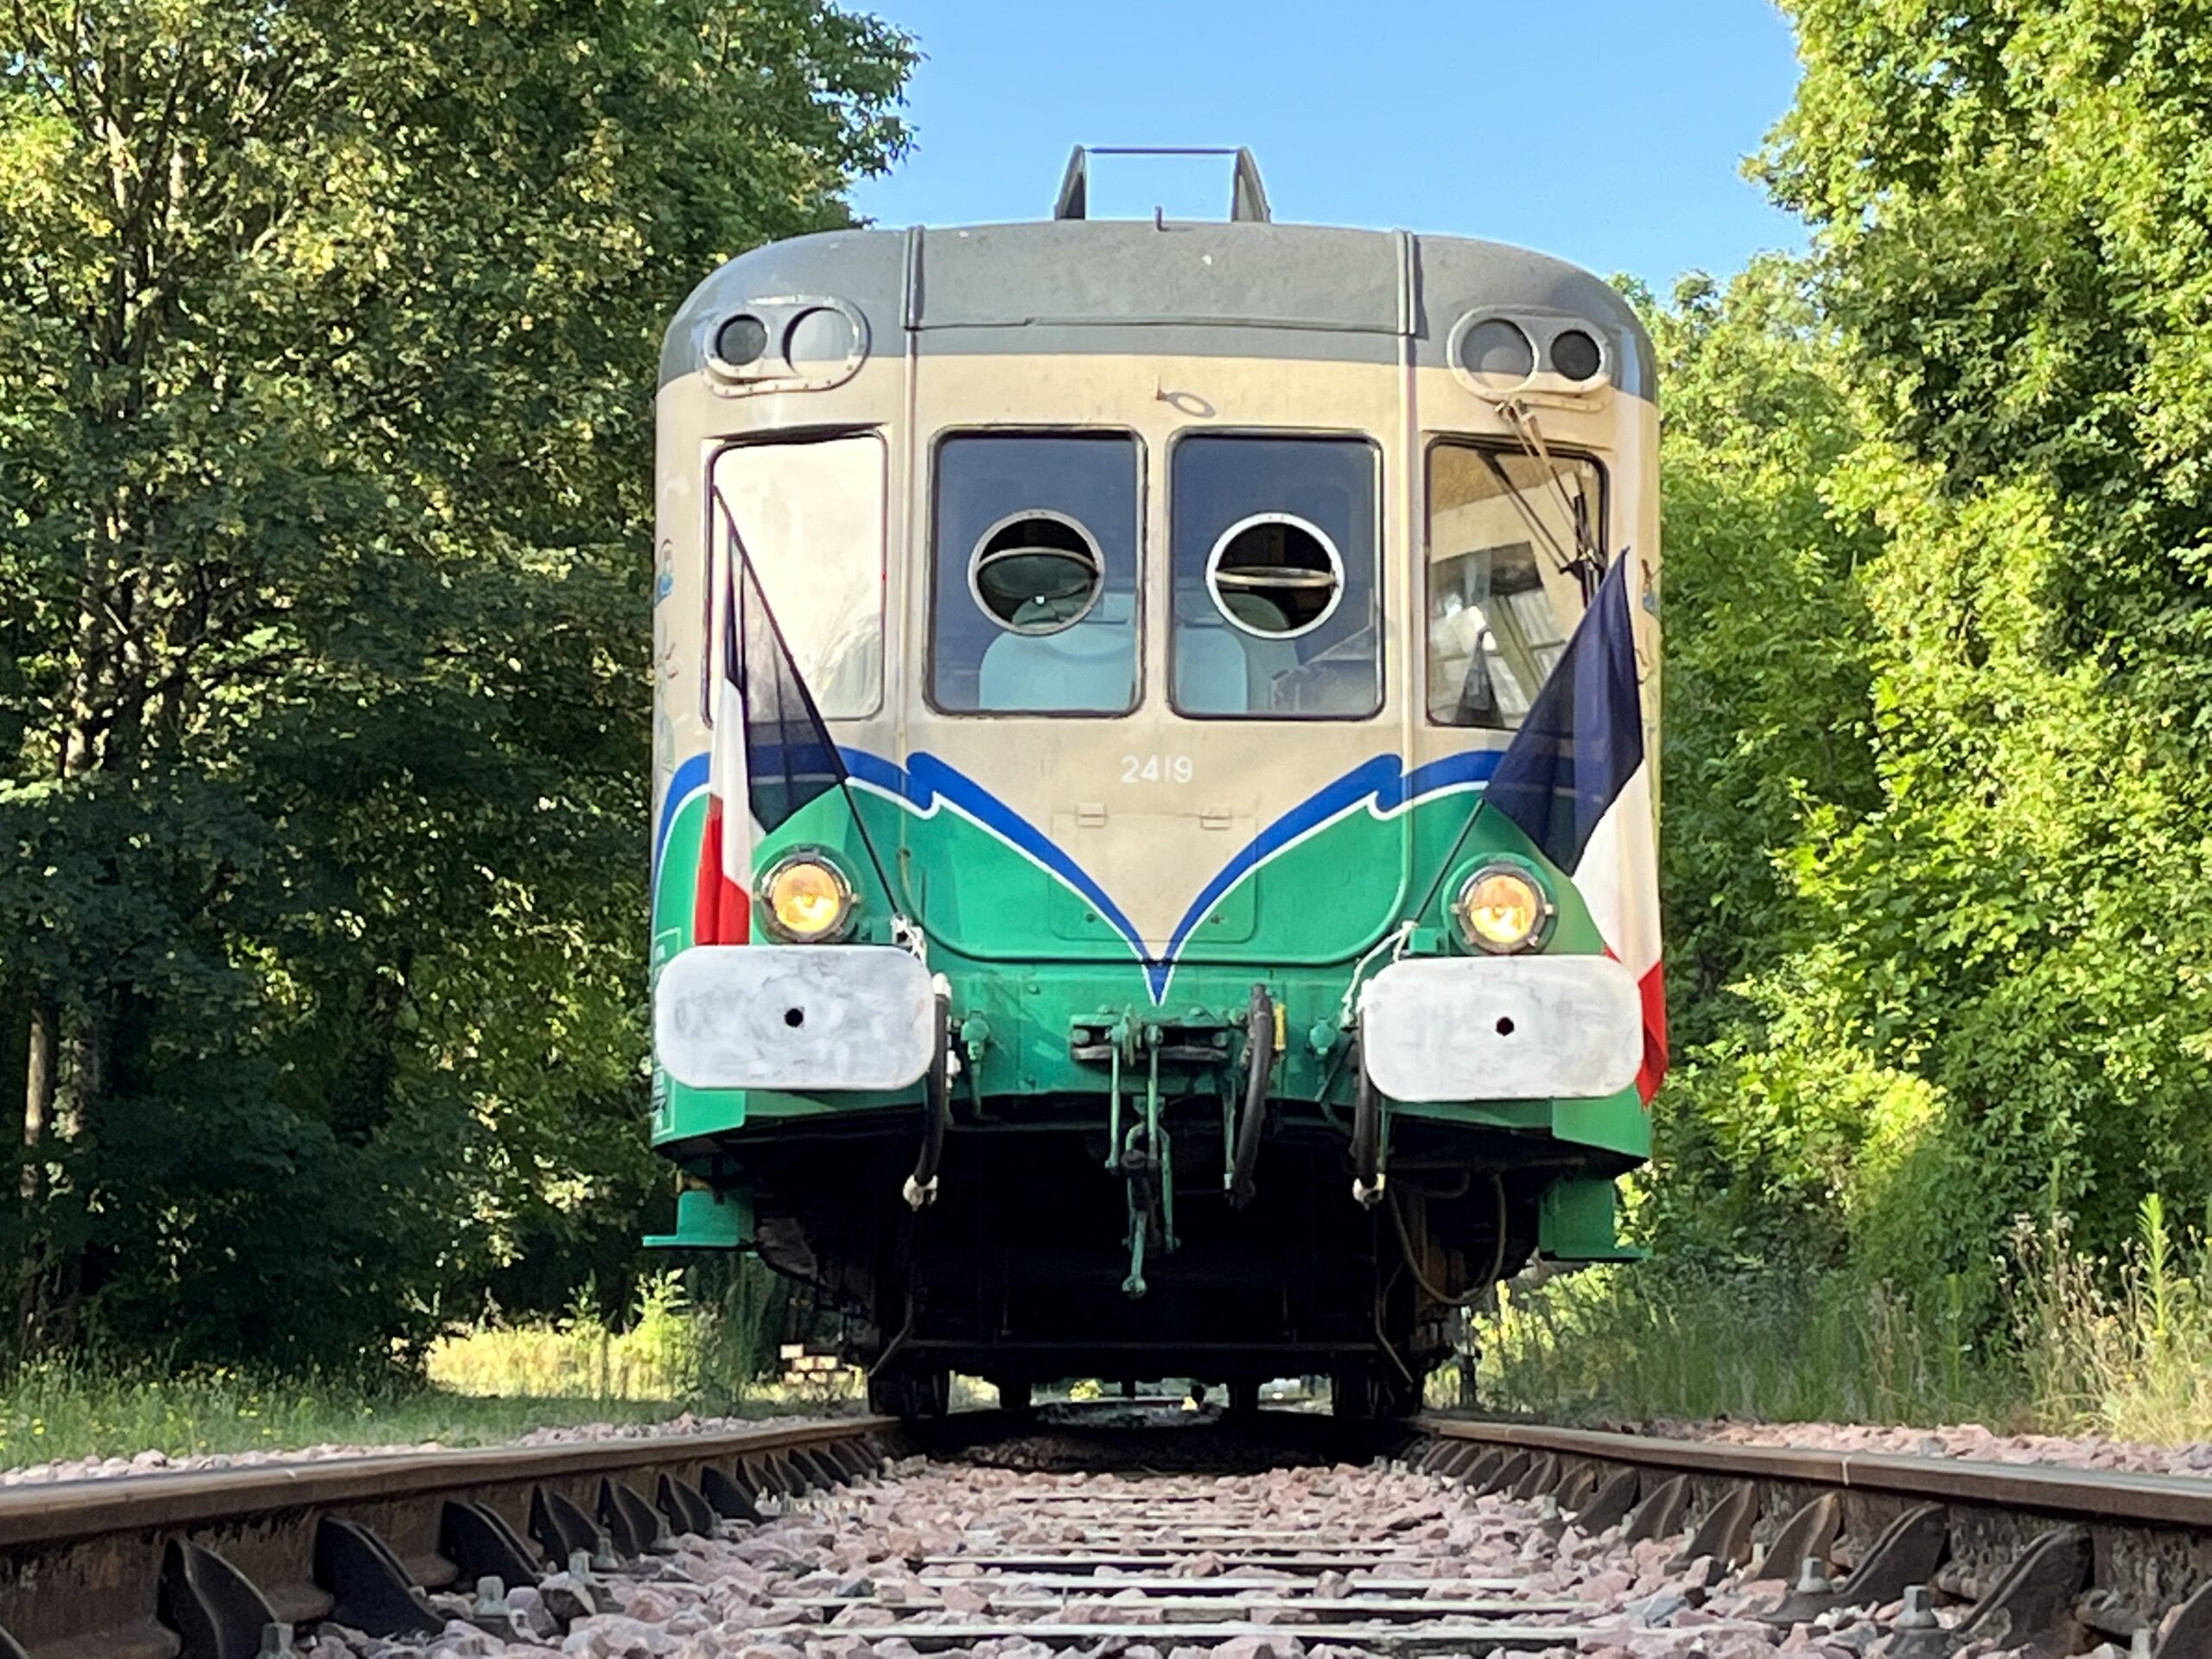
[{"x": 1155, "y": 820}]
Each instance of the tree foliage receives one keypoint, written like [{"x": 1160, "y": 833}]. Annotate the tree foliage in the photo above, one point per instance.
[
  {"x": 1983, "y": 984},
  {"x": 1765, "y": 705},
  {"x": 324, "y": 417}
]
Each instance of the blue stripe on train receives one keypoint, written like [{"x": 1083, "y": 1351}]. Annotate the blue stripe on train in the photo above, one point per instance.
[
  {"x": 690, "y": 777},
  {"x": 925, "y": 781}
]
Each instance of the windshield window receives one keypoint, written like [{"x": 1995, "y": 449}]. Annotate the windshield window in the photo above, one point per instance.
[
  {"x": 811, "y": 517},
  {"x": 1275, "y": 550},
  {"x": 1512, "y": 538},
  {"x": 1034, "y": 551}
]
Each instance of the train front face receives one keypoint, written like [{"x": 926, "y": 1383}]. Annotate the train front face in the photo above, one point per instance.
[{"x": 1171, "y": 595}]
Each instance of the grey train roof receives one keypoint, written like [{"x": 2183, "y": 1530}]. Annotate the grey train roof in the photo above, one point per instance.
[{"x": 1241, "y": 289}]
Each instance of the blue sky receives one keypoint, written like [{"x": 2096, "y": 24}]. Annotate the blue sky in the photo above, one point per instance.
[{"x": 1611, "y": 132}]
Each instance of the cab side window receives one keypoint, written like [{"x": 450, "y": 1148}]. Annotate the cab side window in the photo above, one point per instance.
[
  {"x": 811, "y": 512},
  {"x": 1034, "y": 574},
  {"x": 1274, "y": 556},
  {"x": 1514, "y": 541}
]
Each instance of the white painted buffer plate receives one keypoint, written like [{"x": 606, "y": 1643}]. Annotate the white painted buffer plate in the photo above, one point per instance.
[
  {"x": 799, "y": 1017},
  {"x": 1447, "y": 1028}
]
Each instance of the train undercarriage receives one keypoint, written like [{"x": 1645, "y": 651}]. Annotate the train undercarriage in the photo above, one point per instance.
[{"x": 1037, "y": 1257}]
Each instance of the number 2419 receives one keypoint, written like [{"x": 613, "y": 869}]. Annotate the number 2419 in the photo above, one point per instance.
[{"x": 1156, "y": 769}]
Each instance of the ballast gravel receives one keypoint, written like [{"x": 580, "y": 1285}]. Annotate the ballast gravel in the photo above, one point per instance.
[
  {"x": 1964, "y": 1440},
  {"x": 755, "y": 1592},
  {"x": 1967, "y": 1440},
  {"x": 160, "y": 1463}
]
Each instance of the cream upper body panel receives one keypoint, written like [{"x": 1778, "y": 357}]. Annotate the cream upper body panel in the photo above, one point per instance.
[{"x": 1357, "y": 352}]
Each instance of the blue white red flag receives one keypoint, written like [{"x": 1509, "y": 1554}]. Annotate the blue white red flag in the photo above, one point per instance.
[{"x": 1576, "y": 781}]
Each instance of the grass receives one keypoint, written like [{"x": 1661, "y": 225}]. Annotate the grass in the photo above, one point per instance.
[
  {"x": 1623, "y": 1342},
  {"x": 660, "y": 1356},
  {"x": 711, "y": 1349},
  {"x": 2085, "y": 1346},
  {"x": 2130, "y": 1354},
  {"x": 59, "y": 1411},
  {"x": 675, "y": 1353},
  {"x": 708, "y": 1344},
  {"x": 2120, "y": 1349}
]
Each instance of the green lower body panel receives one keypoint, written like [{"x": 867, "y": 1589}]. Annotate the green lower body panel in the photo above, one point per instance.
[
  {"x": 1153, "y": 1158},
  {"x": 1575, "y": 1223},
  {"x": 709, "y": 1220},
  {"x": 1029, "y": 955}
]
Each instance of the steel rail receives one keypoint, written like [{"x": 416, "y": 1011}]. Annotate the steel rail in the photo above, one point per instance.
[
  {"x": 99, "y": 1566},
  {"x": 2045, "y": 1489},
  {"x": 2044, "y": 1557}
]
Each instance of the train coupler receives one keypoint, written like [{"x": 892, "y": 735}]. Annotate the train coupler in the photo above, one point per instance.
[
  {"x": 1133, "y": 1286},
  {"x": 1149, "y": 1167}
]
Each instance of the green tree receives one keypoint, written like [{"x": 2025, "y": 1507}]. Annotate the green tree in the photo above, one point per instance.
[
  {"x": 1994, "y": 986},
  {"x": 1766, "y": 718},
  {"x": 327, "y": 355}
]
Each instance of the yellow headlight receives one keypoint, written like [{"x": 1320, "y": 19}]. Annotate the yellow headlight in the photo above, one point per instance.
[
  {"x": 1501, "y": 908},
  {"x": 806, "y": 900}
]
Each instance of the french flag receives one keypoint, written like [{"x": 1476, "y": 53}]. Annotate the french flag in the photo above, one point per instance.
[
  {"x": 1575, "y": 780},
  {"x": 722, "y": 905}
]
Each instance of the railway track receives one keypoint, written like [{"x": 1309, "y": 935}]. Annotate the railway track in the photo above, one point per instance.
[
  {"x": 201, "y": 1565},
  {"x": 1951, "y": 1554},
  {"x": 1285, "y": 1535}
]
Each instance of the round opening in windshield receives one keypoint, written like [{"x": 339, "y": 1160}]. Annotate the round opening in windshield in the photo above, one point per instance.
[
  {"x": 1276, "y": 574},
  {"x": 1036, "y": 571}
]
